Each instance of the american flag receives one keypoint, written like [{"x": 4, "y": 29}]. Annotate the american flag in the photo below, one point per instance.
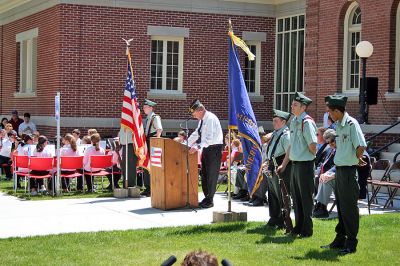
[
  {"x": 155, "y": 157},
  {"x": 131, "y": 118}
]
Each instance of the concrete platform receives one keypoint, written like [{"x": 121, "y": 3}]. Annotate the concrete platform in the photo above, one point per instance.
[{"x": 22, "y": 218}]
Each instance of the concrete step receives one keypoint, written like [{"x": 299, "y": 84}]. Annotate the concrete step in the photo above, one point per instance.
[{"x": 395, "y": 147}]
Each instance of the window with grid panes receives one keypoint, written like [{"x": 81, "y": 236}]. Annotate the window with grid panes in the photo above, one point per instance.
[
  {"x": 351, "y": 61},
  {"x": 166, "y": 64},
  {"x": 289, "y": 62},
  {"x": 250, "y": 70},
  {"x": 27, "y": 56}
]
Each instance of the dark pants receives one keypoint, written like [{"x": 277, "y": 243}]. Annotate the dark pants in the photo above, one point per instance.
[
  {"x": 241, "y": 180},
  {"x": 302, "y": 188},
  {"x": 262, "y": 189},
  {"x": 117, "y": 177},
  {"x": 275, "y": 202},
  {"x": 7, "y": 168},
  {"x": 37, "y": 182},
  {"x": 132, "y": 161},
  {"x": 347, "y": 192},
  {"x": 210, "y": 164}
]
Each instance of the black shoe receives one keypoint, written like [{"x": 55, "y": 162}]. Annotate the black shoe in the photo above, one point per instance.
[
  {"x": 255, "y": 203},
  {"x": 245, "y": 198},
  {"x": 241, "y": 194},
  {"x": 206, "y": 205},
  {"x": 321, "y": 213},
  {"x": 303, "y": 235},
  {"x": 145, "y": 193},
  {"x": 346, "y": 251}
]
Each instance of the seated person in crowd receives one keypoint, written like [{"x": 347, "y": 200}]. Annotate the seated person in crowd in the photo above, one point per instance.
[
  {"x": 92, "y": 150},
  {"x": 5, "y": 154},
  {"x": 86, "y": 140},
  {"x": 76, "y": 133},
  {"x": 39, "y": 151},
  {"x": 182, "y": 137},
  {"x": 91, "y": 131},
  {"x": 325, "y": 176},
  {"x": 8, "y": 129},
  {"x": 4, "y": 122},
  {"x": 27, "y": 127},
  {"x": 25, "y": 150},
  {"x": 69, "y": 149},
  {"x": 117, "y": 158}
]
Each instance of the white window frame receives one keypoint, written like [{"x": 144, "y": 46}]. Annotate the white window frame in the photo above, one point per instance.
[
  {"x": 397, "y": 62},
  {"x": 347, "y": 48},
  {"x": 257, "y": 44},
  {"x": 28, "y": 63},
  {"x": 165, "y": 39},
  {"x": 276, "y": 55}
]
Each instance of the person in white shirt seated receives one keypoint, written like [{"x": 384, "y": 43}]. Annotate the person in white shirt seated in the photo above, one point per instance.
[
  {"x": 76, "y": 133},
  {"x": 92, "y": 150},
  {"x": 27, "y": 127},
  {"x": 24, "y": 149},
  {"x": 39, "y": 151},
  {"x": 69, "y": 149},
  {"x": 181, "y": 138},
  {"x": 5, "y": 154}
]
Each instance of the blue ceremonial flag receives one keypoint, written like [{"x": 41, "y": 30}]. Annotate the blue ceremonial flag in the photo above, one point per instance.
[{"x": 241, "y": 116}]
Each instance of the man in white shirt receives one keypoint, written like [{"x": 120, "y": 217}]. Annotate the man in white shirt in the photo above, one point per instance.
[
  {"x": 5, "y": 154},
  {"x": 27, "y": 127},
  {"x": 207, "y": 137}
]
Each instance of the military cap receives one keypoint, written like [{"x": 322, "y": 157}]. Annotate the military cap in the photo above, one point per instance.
[
  {"x": 336, "y": 100},
  {"x": 281, "y": 114},
  {"x": 149, "y": 103},
  {"x": 300, "y": 97},
  {"x": 195, "y": 104}
]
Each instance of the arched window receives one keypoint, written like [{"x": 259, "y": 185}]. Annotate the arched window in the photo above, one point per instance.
[
  {"x": 351, "y": 61},
  {"x": 397, "y": 73}
]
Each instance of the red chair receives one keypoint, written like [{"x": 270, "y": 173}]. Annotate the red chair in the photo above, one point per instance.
[
  {"x": 103, "y": 162},
  {"x": 72, "y": 164},
  {"x": 20, "y": 161},
  {"x": 40, "y": 164}
]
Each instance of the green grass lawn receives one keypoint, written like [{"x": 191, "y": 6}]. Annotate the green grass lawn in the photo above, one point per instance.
[{"x": 242, "y": 243}]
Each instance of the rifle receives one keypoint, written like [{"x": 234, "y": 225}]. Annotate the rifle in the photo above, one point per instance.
[{"x": 285, "y": 199}]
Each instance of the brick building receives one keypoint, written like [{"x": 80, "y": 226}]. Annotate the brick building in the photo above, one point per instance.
[{"x": 180, "y": 53}]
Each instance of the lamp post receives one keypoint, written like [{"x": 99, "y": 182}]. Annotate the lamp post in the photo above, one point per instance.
[{"x": 364, "y": 50}]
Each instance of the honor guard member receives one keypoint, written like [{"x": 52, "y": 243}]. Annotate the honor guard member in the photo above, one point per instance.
[
  {"x": 207, "y": 137},
  {"x": 301, "y": 152},
  {"x": 153, "y": 128},
  {"x": 277, "y": 148},
  {"x": 125, "y": 140},
  {"x": 350, "y": 146}
]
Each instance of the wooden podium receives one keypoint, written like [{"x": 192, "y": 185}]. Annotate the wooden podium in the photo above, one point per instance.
[{"x": 168, "y": 177}]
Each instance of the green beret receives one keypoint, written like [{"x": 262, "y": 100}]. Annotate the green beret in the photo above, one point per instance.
[
  {"x": 149, "y": 103},
  {"x": 336, "y": 100},
  {"x": 300, "y": 97},
  {"x": 281, "y": 114},
  {"x": 195, "y": 104}
]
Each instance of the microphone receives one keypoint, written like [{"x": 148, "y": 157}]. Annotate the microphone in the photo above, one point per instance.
[
  {"x": 226, "y": 262},
  {"x": 168, "y": 262},
  {"x": 180, "y": 125}
]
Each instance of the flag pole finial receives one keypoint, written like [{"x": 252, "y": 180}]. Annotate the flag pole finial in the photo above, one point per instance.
[
  {"x": 128, "y": 43},
  {"x": 230, "y": 24}
]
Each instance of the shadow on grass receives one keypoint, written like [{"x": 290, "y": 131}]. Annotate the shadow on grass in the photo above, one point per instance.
[
  {"x": 271, "y": 235},
  {"x": 216, "y": 228},
  {"x": 314, "y": 254}
]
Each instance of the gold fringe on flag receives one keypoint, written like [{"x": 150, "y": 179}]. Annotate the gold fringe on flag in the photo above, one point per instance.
[{"x": 239, "y": 42}]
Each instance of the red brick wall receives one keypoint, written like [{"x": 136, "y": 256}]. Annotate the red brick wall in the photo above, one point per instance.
[
  {"x": 93, "y": 58},
  {"x": 324, "y": 53},
  {"x": 47, "y": 63}
]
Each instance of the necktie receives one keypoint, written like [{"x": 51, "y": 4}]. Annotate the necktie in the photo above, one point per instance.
[{"x": 198, "y": 141}]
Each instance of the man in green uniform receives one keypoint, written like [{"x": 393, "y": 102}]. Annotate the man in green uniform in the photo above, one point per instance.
[
  {"x": 301, "y": 152},
  {"x": 153, "y": 128},
  {"x": 277, "y": 148},
  {"x": 350, "y": 146}
]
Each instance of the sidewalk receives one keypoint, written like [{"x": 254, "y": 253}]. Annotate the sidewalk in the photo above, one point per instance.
[{"x": 22, "y": 218}]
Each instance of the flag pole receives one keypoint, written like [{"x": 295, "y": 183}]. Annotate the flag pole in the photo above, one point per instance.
[
  {"x": 229, "y": 150},
  {"x": 126, "y": 158}
]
